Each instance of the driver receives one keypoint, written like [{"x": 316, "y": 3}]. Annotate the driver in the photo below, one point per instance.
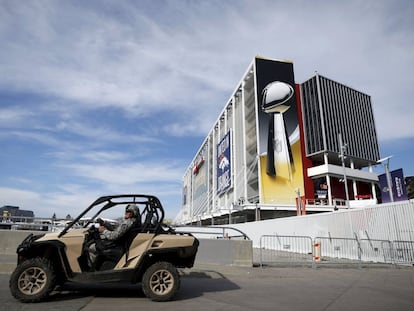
[{"x": 108, "y": 236}]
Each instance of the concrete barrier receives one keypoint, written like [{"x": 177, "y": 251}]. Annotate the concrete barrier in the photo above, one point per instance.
[
  {"x": 211, "y": 251},
  {"x": 225, "y": 252},
  {"x": 10, "y": 239}
]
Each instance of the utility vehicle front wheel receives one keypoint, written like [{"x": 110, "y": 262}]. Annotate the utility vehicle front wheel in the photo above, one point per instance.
[
  {"x": 161, "y": 281},
  {"x": 32, "y": 280}
]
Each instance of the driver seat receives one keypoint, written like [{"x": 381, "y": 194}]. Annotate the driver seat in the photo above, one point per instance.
[{"x": 110, "y": 254}]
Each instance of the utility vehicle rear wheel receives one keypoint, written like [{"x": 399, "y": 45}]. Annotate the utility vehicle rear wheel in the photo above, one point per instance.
[
  {"x": 161, "y": 281},
  {"x": 32, "y": 280}
]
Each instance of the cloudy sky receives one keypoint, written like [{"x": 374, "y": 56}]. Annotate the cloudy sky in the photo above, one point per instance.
[{"x": 108, "y": 97}]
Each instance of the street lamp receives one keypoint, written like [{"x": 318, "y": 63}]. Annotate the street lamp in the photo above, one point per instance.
[
  {"x": 299, "y": 205},
  {"x": 386, "y": 162},
  {"x": 342, "y": 156}
]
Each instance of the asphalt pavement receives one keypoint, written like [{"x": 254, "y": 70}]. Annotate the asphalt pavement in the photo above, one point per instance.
[{"x": 211, "y": 287}]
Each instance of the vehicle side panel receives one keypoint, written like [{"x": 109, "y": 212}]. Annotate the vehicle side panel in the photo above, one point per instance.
[
  {"x": 182, "y": 246},
  {"x": 73, "y": 241},
  {"x": 138, "y": 247}
]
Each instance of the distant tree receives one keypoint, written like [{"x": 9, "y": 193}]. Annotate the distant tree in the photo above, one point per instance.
[
  {"x": 54, "y": 217},
  {"x": 68, "y": 217}
]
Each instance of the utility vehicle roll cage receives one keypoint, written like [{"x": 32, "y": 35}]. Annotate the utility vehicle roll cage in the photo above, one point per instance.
[{"x": 149, "y": 205}]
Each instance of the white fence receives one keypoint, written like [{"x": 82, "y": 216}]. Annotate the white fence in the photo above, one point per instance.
[
  {"x": 388, "y": 222},
  {"x": 380, "y": 233}
]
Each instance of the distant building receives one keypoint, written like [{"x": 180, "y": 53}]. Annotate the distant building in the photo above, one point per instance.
[
  {"x": 278, "y": 148},
  {"x": 14, "y": 211}
]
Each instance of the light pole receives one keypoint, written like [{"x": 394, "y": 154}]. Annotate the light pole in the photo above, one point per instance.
[
  {"x": 342, "y": 156},
  {"x": 299, "y": 202},
  {"x": 386, "y": 163}
]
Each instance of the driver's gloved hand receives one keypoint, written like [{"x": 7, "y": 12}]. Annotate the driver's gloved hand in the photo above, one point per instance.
[{"x": 105, "y": 224}]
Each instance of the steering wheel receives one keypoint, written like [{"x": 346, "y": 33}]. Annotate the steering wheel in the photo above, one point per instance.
[{"x": 93, "y": 233}]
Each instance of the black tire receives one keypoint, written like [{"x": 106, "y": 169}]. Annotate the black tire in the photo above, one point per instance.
[
  {"x": 32, "y": 280},
  {"x": 161, "y": 281}
]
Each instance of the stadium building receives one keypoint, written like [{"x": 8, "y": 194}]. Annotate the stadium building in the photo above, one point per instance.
[{"x": 280, "y": 149}]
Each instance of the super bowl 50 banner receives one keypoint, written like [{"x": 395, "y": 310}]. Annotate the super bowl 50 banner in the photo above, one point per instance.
[
  {"x": 279, "y": 140},
  {"x": 224, "y": 164}
]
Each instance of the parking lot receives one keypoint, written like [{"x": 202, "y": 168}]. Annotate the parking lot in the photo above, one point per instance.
[{"x": 211, "y": 287}]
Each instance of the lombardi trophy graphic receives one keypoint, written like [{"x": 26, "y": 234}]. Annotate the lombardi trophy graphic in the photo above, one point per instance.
[{"x": 275, "y": 98}]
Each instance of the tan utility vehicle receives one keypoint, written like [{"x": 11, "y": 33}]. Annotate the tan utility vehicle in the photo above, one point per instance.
[{"x": 148, "y": 253}]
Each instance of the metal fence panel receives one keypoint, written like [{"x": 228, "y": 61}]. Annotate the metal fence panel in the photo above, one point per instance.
[
  {"x": 337, "y": 250},
  {"x": 403, "y": 252},
  {"x": 376, "y": 251},
  {"x": 285, "y": 249}
]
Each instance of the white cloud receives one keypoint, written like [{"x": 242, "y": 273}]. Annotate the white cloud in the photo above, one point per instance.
[
  {"x": 12, "y": 196},
  {"x": 106, "y": 156},
  {"x": 197, "y": 125},
  {"x": 45, "y": 204},
  {"x": 125, "y": 173},
  {"x": 10, "y": 117},
  {"x": 73, "y": 199}
]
